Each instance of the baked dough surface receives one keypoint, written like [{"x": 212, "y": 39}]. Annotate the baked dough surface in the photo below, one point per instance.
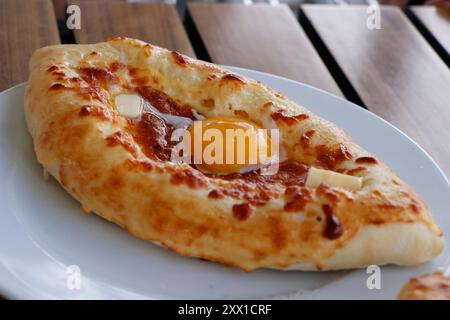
[
  {"x": 83, "y": 142},
  {"x": 434, "y": 286}
]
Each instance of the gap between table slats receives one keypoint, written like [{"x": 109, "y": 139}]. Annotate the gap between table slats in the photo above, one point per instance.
[
  {"x": 394, "y": 70},
  {"x": 156, "y": 23},
  {"x": 261, "y": 37},
  {"x": 434, "y": 24}
]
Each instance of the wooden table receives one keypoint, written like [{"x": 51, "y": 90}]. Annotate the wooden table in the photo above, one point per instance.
[{"x": 400, "y": 72}]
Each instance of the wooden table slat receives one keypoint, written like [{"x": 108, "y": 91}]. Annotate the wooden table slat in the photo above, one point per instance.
[
  {"x": 261, "y": 37},
  {"x": 24, "y": 27},
  {"x": 156, "y": 23},
  {"x": 437, "y": 21},
  {"x": 394, "y": 70},
  {"x": 61, "y": 6}
]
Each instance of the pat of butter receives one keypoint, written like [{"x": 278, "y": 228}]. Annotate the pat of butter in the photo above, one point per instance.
[
  {"x": 318, "y": 176},
  {"x": 129, "y": 105}
]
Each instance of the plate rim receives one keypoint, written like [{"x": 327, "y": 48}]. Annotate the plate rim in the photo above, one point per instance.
[{"x": 16, "y": 289}]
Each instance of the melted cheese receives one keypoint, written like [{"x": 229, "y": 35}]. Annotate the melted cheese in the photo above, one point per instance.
[{"x": 318, "y": 176}]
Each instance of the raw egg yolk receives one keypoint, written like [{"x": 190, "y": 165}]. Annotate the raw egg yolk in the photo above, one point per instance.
[{"x": 224, "y": 145}]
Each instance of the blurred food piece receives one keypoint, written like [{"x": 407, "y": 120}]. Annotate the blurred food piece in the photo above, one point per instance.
[{"x": 434, "y": 286}]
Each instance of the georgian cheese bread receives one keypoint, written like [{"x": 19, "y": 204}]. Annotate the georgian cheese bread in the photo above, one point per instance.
[
  {"x": 91, "y": 133},
  {"x": 434, "y": 286}
]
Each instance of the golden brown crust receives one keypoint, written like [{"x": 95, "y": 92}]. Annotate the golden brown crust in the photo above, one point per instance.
[
  {"x": 74, "y": 129},
  {"x": 434, "y": 286}
]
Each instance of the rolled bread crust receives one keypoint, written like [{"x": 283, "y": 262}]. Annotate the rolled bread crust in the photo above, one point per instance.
[{"x": 384, "y": 222}]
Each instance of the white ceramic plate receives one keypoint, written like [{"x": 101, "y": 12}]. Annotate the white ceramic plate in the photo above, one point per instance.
[{"x": 43, "y": 231}]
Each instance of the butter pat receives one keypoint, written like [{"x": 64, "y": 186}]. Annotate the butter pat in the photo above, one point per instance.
[
  {"x": 318, "y": 176},
  {"x": 129, "y": 105}
]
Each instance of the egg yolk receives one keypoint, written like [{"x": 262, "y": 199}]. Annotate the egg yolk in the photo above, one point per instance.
[{"x": 225, "y": 145}]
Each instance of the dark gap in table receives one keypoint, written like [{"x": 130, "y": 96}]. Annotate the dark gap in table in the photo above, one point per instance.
[
  {"x": 434, "y": 43},
  {"x": 194, "y": 36},
  {"x": 66, "y": 35},
  {"x": 330, "y": 62}
]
